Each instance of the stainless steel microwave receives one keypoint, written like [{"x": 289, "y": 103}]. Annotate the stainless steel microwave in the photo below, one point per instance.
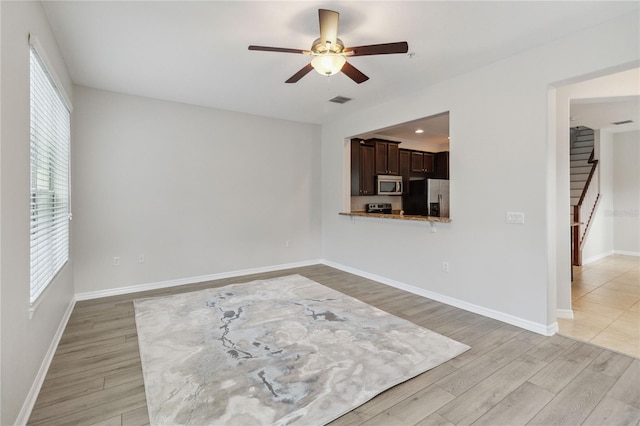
[{"x": 388, "y": 185}]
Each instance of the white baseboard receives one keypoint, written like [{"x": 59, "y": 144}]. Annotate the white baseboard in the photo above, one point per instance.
[
  {"x": 627, "y": 253},
  {"x": 564, "y": 313},
  {"x": 32, "y": 396},
  {"x": 190, "y": 280},
  {"x": 597, "y": 257},
  {"x": 607, "y": 254},
  {"x": 500, "y": 316},
  {"x": 547, "y": 330}
]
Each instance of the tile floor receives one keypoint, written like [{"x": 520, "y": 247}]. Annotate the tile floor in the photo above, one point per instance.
[{"x": 606, "y": 304}]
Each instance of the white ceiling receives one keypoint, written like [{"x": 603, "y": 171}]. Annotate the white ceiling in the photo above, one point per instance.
[
  {"x": 435, "y": 130},
  {"x": 196, "y": 52},
  {"x": 602, "y": 113}
]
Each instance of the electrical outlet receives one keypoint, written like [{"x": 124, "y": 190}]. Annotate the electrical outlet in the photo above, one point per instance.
[
  {"x": 141, "y": 258},
  {"x": 116, "y": 261},
  {"x": 445, "y": 266},
  {"x": 515, "y": 217}
]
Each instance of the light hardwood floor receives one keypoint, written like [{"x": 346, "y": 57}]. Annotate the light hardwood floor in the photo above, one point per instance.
[
  {"x": 606, "y": 304},
  {"x": 510, "y": 376}
]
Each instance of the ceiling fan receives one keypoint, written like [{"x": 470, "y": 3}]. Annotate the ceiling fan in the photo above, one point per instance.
[{"x": 329, "y": 53}]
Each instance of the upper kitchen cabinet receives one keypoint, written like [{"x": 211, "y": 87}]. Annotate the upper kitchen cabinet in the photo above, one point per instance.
[
  {"x": 422, "y": 164},
  {"x": 387, "y": 161},
  {"x": 362, "y": 168}
]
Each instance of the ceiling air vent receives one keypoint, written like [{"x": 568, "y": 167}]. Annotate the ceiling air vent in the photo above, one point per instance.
[
  {"x": 340, "y": 100},
  {"x": 617, "y": 123}
]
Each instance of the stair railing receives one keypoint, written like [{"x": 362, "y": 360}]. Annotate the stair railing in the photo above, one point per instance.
[{"x": 583, "y": 212}]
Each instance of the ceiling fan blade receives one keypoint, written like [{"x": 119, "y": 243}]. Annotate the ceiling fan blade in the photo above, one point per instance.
[
  {"x": 279, "y": 49},
  {"x": 353, "y": 73},
  {"x": 297, "y": 76},
  {"x": 378, "y": 49},
  {"x": 328, "y": 26}
]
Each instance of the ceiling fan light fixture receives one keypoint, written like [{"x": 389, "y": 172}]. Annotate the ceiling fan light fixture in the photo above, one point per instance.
[{"x": 328, "y": 63}]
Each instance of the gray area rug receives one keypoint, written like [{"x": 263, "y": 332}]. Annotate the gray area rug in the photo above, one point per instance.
[{"x": 279, "y": 351}]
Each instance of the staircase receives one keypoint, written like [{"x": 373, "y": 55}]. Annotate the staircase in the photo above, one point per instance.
[
  {"x": 585, "y": 188},
  {"x": 582, "y": 140}
]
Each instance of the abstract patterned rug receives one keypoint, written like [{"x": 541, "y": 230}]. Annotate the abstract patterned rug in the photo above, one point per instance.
[{"x": 279, "y": 351}]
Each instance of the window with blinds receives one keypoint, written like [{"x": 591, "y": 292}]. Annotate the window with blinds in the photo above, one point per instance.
[{"x": 50, "y": 139}]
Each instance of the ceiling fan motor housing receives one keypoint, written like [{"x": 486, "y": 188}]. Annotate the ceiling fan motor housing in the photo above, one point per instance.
[{"x": 319, "y": 48}]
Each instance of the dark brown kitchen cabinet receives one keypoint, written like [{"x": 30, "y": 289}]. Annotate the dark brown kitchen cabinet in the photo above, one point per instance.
[
  {"x": 362, "y": 168},
  {"x": 442, "y": 165},
  {"x": 405, "y": 168},
  {"x": 422, "y": 164},
  {"x": 387, "y": 157}
]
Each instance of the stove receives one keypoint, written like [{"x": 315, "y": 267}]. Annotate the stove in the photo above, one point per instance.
[{"x": 379, "y": 208}]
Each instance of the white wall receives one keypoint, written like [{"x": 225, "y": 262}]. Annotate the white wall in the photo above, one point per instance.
[
  {"x": 626, "y": 193},
  {"x": 502, "y": 159},
  {"x": 198, "y": 191},
  {"x": 616, "y": 226},
  {"x": 24, "y": 341}
]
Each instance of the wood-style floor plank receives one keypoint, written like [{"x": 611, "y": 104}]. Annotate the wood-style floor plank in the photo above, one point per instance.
[
  {"x": 566, "y": 367},
  {"x": 430, "y": 399},
  {"x": 509, "y": 376},
  {"x": 518, "y": 407},
  {"x": 612, "y": 411},
  {"x": 137, "y": 417},
  {"x": 626, "y": 388},
  {"x": 394, "y": 396},
  {"x": 573, "y": 404},
  {"x": 482, "y": 397},
  {"x": 479, "y": 369}
]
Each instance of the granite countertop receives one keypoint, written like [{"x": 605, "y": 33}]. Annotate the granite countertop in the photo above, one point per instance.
[{"x": 396, "y": 215}]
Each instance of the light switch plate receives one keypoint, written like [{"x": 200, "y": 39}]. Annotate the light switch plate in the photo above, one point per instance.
[{"x": 515, "y": 217}]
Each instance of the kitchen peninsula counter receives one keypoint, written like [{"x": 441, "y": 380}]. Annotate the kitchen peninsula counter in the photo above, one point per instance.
[{"x": 396, "y": 215}]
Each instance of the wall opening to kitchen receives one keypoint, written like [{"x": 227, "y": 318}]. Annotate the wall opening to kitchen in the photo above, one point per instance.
[{"x": 415, "y": 153}]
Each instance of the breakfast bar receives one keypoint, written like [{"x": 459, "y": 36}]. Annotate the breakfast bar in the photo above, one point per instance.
[{"x": 398, "y": 216}]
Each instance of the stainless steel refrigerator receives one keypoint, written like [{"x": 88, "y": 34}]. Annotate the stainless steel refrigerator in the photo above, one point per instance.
[{"x": 427, "y": 197}]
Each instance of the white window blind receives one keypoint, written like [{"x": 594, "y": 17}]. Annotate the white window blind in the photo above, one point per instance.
[{"x": 50, "y": 138}]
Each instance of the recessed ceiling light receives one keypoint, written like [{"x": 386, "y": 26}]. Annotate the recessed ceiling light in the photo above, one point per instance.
[{"x": 419, "y": 131}]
